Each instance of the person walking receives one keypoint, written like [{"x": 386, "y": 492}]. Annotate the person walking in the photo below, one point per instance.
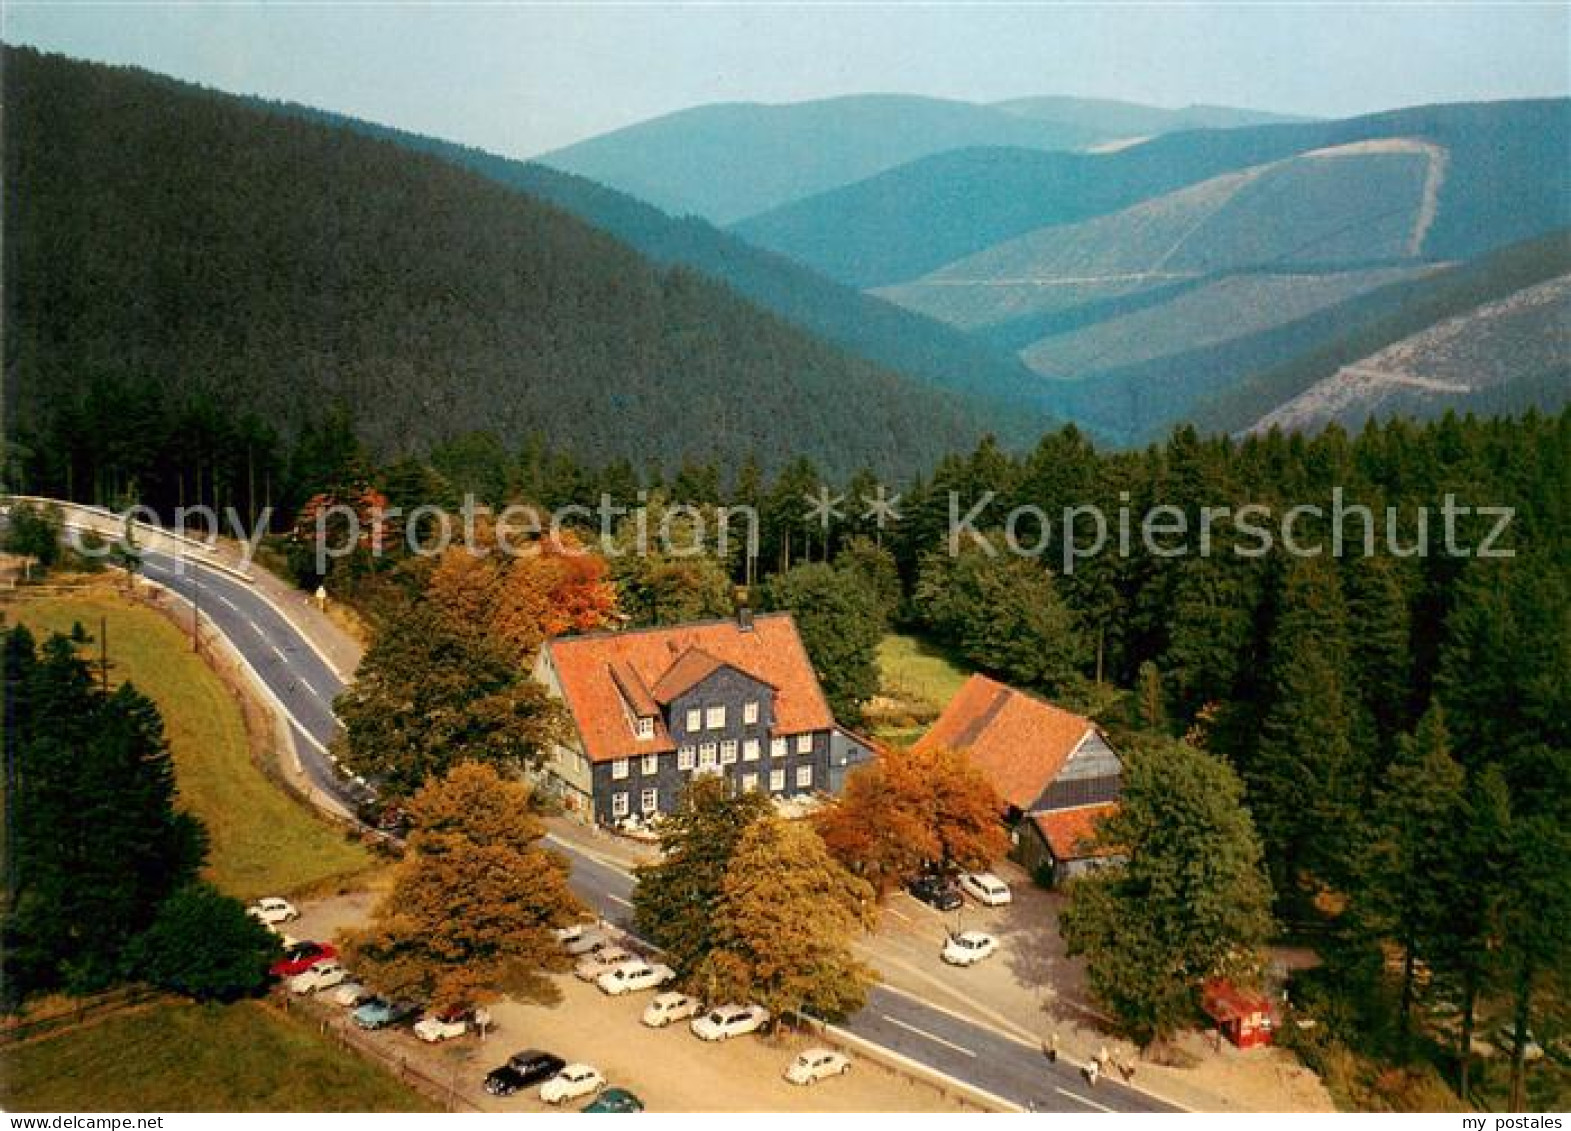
[
  {"x": 1093, "y": 1070},
  {"x": 1050, "y": 1048}
]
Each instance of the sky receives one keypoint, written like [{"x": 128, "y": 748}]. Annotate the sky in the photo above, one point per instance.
[{"x": 522, "y": 79}]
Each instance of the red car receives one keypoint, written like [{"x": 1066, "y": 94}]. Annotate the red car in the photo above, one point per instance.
[{"x": 301, "y": 957}]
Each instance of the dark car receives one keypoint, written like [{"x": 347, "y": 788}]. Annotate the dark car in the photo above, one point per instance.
[
  {"x": 521, "y": 1070},
  {"x": 936, "y": 891},
  {"x": 617, "y": 1101}
]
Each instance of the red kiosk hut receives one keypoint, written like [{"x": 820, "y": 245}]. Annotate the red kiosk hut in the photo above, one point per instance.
[{"x": 1243, "y": 1018}]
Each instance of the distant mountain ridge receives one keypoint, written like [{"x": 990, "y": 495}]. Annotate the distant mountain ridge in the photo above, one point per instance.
[
  {"x": 1507, "y": 181},
  {"x": 729, "y": 161}
]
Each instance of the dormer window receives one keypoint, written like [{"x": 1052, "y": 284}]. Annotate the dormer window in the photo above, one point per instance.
[{"x": 645, "y": 727}]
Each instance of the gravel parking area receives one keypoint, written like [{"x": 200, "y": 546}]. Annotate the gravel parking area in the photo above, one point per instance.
[{"x": 669, "y": 1069}]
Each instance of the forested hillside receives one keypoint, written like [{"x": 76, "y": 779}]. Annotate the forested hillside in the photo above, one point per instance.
[
  {"x": 176, "y": 259},
  {"x": 874, "y": 330}
]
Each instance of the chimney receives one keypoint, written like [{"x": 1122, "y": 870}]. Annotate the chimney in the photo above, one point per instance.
[{"x": 744, "y": 618}]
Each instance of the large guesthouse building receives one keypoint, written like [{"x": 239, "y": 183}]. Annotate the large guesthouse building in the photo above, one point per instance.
[{"x": 653, "y": 708}]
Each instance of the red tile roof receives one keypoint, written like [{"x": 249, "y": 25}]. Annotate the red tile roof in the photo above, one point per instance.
[
  {"x": 664, "y": 658},
  {"x": 1018, "y": 741},
  {"x": 1069, "y": 832}
]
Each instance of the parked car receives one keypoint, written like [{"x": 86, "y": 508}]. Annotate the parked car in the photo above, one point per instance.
[
  {"x": 591, "y": 966},
  {"x": 323, "y": 975},
  {"x": 301, "y": 957},
  {"x": 614, "y": 1101},
  {"x": 815, "y": 1064},
  {"x": 273, "y": 911},
  {"x": 435, "y": 1027},
  {"x": 634, "y": 975},
  {"x": 968, "y": 948},
  {"x": 936, "y": 891},
  {"x": 668, "y": 1007},
  {"x": 379, "y": 1013},
  {"x": 573, "y": 1081},
  {"x": 521, "y": 1070},
  {"x": 727, "y": 1021},
  {"x": 587, "y": 942},
  {"x": 352, "y": 994},
  {"x": 986, "y": 888},
  {"x": 570, "y": 933}
]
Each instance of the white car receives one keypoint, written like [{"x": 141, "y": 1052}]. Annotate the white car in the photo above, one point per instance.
[
  {"x": 351, "y": 994},
  {"x": 634, "y": 975},
  {"x": 968, "y": 948},
  {"x": 323, "y": 975},
  {"x": 586, "y": 941},
  {"x": 815, "y": 1064},
  {"x": 573, "y": 1081},
  {"x": 726, "y": 1021},
  {"x": 570, "y": 933},
  {"x": 668, "y": 1007},
  {"x": 435, "y": 1027},
  {"x": 273, "y": 911},
  {"x": 986, "y": 888},
  {"x": 591, "y": 966}
]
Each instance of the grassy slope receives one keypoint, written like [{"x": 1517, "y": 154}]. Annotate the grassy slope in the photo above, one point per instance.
[
  {"x": 917, "y": 681},
  {"x": 242, "y": 1057},
  {"x": 263, "y": 842}
]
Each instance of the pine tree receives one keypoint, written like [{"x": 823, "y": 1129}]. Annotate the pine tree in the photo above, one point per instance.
[
  {"x": 1304, "y": 779},
  {"x": 1407, "y": 867}
]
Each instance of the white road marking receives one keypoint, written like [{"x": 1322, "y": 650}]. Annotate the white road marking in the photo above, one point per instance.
[
  {"x": 618, "y": 899},
  {"x": 1080, "y": 1099},
  {"x": 924, "y": 1033}
]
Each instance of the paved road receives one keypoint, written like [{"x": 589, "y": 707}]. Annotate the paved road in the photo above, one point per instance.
[
  {"x": 306, "y": 686},
  {"x": 290, "y": 668}
]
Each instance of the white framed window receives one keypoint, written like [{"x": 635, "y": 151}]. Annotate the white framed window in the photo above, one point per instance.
[
  {"x": 776, "y": 781},
  {"x": 777, "y": 748},
  {"x": 706, "y": 756},
  {"x": 619, "y": 805},
  {"x": 651, "y": 764},
  {"x": 649, "y": 800},
  {"x": 750, "y": 750},
  {"x": 695, "y": 719},
  {"x": 685, "y": 756},
  {"x": 804, "y": 744},
  {"x": 750, "y": 712},
  {"x": 714, "y": 717},
  {"x": 749, "y": 783},
  {"x": 646, "y": 727},
  {"x": 619, "y": 769},
  {"x": 728, "y": 752},
  {"x": 804, "y": 777}
]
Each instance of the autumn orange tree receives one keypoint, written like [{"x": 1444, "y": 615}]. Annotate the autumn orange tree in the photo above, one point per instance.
[
  {"x": 474, "y": 901},
  {"x": 787, "y": 915},
  {"x": 551, "y": 586},
  {"x": 908, "y": 809}
]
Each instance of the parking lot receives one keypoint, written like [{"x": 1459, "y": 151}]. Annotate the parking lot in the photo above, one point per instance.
[{"x": 669, "y": 1069}]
